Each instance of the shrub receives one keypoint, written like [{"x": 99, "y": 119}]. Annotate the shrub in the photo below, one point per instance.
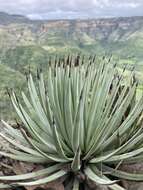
[{"x": 83, "y": 122}]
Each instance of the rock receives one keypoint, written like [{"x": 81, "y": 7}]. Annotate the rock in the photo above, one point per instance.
[
  {"x": 102, "y": 188},
  {"x": 134, "y": 168},
  {"x": 93, "y": 186}
]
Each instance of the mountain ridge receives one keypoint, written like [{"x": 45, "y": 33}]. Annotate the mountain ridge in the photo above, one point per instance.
[
  {"x": 24, "y": 18},
  {"x": 122, "y": 36}
]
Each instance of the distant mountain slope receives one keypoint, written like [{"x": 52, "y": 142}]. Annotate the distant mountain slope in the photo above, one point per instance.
[
  {"x": 122, "y": 36},
  {"x": 8, "y": 19},
  {"x": 24, "y": 41}
]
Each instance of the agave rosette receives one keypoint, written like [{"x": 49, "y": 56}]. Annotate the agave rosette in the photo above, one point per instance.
[{"x": 82, "y": 120}]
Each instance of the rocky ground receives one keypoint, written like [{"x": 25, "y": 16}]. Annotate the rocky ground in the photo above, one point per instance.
[{"x": 10, "y": 167}]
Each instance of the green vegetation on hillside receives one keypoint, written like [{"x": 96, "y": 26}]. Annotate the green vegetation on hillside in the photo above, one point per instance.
[{"x": 10, "y": 79}]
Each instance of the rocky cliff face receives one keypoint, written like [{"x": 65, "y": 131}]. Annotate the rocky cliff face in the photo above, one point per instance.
[
  {"x": 104, "y": 27},
  {"x": 113, "y": 29},
  {"x": 122, "y": 37}
]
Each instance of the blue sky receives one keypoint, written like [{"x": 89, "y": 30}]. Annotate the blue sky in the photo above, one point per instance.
[{"x": 69, "y": 9}]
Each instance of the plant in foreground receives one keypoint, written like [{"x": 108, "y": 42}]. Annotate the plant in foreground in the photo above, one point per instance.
[{"x": 81, "y": 125}]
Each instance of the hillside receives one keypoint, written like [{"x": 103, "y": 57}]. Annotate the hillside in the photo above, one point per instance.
[
  {"x": 23, "y": 41},
  {"x": 26, "y": 43},
  {"x": 7, "y": 19},
  {"x": 121, "y": 36}
]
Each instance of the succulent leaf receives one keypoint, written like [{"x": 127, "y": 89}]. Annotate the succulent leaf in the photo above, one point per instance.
[{"x": 82, "y": 116}]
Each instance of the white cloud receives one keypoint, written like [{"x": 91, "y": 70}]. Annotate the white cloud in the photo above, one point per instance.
[
  {"x": 128, "y": 5},
  {"x": 72, "y": 8}
]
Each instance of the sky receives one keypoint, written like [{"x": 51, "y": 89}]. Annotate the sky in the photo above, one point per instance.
[{"x": 70, "y": 9}]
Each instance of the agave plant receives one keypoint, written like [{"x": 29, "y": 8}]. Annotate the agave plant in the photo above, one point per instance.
[{"x": 80, "y": 123}]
